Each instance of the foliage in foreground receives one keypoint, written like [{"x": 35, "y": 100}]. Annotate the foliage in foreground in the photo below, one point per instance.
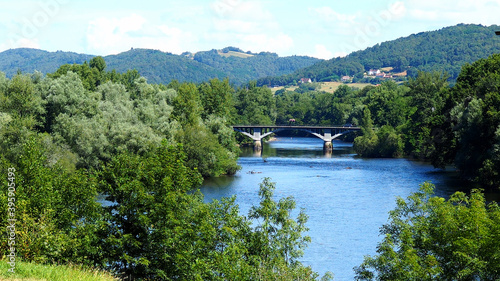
[
  {"x": 430, "y": 238},
  {"x": 153, "y": 225}
]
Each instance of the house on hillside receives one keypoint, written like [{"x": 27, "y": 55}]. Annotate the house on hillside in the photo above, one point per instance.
[
  {"x": 373, "y": 72},
  {"x": 305, "y": 80},
  {"x": 345, "y": 78}
]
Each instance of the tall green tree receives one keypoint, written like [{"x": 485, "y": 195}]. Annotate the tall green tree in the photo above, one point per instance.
[
  {"x": 278, "y": 235},
  {"x": 430, "y": 238},
  {"x": 428, "y": 92},
  {"x": 217, "y": 98},
  {"x": 187, "y": 105},
  {"x": 388, "y": 104},
  {"x": 255, "y": 105},
  {"x": 384, "y": 142},
  {"x": 21, "y": 100}
]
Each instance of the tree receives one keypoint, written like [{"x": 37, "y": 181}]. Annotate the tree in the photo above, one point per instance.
[
  {"x": 187, "y": 105},
  {"x": 388, "y": 104},
  {"x": 278, "y": 235},
  {"x": 56, "y": 213},
  {"x": 152, "y": 219},
  {"x": 255, "y": 105},
  {"x": 217, "y": 98},
  {"x": 427, "y": 93},
  {"x": 365, "y": 145},
  {"x": 430, "y": 238},
  {"x": 21, "y": 100},
  {"x": 385, "y": 142},
  {"x": 98, "y": 63},
  {"x": 206, "y": 153}
]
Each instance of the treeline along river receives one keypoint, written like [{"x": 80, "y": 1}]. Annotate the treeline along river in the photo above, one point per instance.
[{"x": 347, "y": 198}]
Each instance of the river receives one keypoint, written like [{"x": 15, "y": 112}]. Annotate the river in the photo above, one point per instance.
[{"x": 346, "y": 198}]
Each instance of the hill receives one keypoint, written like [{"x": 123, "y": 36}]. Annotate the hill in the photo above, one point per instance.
[
  {"x": 444, "y": 50},
  {"x": 29, "y": 60},
  {"x": 243, "y": 69},
  {"x": 162, "y": 67}
]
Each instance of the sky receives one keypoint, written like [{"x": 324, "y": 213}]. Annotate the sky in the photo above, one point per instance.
[{"x": 318, "y": 28}]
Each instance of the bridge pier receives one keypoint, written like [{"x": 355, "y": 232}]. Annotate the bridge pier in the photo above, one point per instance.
[
  {"x": 257, "y": 139},
  {"x": 327, "y": 146},
  {"x": 327, "y": 138}
]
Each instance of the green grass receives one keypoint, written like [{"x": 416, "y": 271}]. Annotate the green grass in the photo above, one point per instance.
[{"x": 37, "y": 272}]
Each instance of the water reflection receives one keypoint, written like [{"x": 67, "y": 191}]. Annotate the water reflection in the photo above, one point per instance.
[{"x": 298, "y": 147}]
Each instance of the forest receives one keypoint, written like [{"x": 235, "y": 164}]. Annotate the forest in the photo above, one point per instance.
[{"x": 106, "y": 169}]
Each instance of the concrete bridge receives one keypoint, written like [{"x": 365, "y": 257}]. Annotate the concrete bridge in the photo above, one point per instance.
[{"x": 326, "y": 133}]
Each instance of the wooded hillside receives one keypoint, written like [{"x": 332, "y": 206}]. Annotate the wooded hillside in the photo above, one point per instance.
[
  {"x": 444, "y": 50},
  {"x": 160, "y": 67}
]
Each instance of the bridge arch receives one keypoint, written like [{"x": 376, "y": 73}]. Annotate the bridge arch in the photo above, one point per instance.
[{"x": 326, "y": 133}]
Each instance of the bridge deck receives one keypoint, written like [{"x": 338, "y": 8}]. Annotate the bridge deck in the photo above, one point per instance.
[{"x": 296, "y": 127}]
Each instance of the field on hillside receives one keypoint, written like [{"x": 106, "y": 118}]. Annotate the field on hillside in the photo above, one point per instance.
[
  {"x": 235, "y": 54},
  {"x": 331, "y": 87}
]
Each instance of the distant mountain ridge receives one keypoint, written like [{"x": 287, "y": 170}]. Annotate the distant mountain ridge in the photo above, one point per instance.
[
  {"x": 162, "y": 67},
  {"x": 443, "y": 50}
]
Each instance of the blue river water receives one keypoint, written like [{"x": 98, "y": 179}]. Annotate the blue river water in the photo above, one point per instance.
[{"x": 346, "y": 198}]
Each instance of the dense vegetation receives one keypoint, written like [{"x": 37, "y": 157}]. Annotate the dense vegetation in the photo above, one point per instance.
[
  {"x": 161, "y": 67},
  {"x": 81, "y": 134},
  {"x": 444, "y": 50}
]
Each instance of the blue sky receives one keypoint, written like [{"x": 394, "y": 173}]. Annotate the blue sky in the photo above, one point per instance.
[{"x": 319, "y": 28}]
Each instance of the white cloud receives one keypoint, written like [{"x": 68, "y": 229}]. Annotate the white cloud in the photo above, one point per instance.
[
  {"x": 114, "y": 35},
  {"x": 321, "y": 52},
  {"x": 328, "y": 20},
  {"x": 263, "y": 42},
  {"x": 239, "y": 26},
  {"x": 20, "y": 43},
  {"x": 330, "y": 15},
  {"x": 242, "y": 10},
  {"x": 247, "y": 25},
  {"x": 454, "y": 11}
]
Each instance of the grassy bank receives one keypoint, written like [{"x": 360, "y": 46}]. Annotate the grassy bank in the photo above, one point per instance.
[{"x": 37, "y": 272}]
